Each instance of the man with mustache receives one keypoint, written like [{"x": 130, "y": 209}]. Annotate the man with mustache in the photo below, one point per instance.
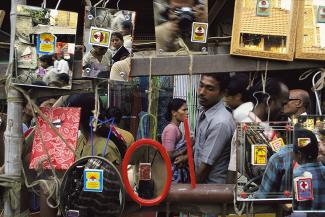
[{"x": 214, "y": 131}]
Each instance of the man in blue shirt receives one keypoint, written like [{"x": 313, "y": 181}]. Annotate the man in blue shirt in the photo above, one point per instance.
[{"x": 305, "y": 153}]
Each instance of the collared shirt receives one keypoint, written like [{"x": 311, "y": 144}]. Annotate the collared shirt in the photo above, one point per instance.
[
  {"x": 96, "y": 67},
  {"x": 214, "y": 131},
  {"x": 278, "y": 175},
  {"x": 317, "y": 169}
]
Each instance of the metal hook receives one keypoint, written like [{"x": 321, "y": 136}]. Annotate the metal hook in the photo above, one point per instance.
[
  {"x": 104, "y": 5},
  {"x": 98, "y": 3},
  {"x": 58, "y": 4},
  {"x": 117, "y": 5},
  {"x": 316, "y": 94},
  {"x": 43, "y": 5},
  {"x": 267, "y": 102}
]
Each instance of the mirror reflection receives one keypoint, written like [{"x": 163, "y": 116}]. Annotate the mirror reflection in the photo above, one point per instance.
[
  {"x": 108, "y": 39},
  {"x": 178, "y": 21},
  {"x": 44, "y": 47}
]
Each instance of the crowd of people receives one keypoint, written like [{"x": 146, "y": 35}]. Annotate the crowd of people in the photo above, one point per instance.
[
  {"x": 99, "y": 61},
  {"x": 53, "y": 71},
  {"x": 223, "y": 102}
]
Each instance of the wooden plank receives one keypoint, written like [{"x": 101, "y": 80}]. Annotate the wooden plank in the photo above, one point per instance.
[{"x": 214, "y": 64}]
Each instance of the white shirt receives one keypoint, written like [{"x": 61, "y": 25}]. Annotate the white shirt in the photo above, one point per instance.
[{"x": 63, "y": 66}]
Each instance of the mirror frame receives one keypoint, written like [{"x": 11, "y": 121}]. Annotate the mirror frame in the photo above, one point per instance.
[
  {"x": 237, "y": 50},
  {"x": 300, "y": 54}
]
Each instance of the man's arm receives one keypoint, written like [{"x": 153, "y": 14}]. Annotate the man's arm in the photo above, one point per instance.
[{"x": 203, "y": 172}]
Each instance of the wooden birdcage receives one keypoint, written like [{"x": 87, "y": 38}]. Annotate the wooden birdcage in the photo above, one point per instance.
[
  {"x": 271, "y": 36},
  {"x": 310, "y": 42}
]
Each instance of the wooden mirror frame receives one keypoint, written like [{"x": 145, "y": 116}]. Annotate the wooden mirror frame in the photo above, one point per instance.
[
  {"x": 300, "y": 54},
  {"x": 235, "y": 42}
]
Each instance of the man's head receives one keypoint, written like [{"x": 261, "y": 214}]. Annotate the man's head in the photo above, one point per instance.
[
  {"x": 305, "y": 146},
  {"x": 116, "y": 113},
  {"x": 298, "y": 102},
  {"x": 211, "y": 89},
  {"x": 237, "y": 93},
  {"x": 126, "y": 27},
  {"x": 46, "y": 61},
  {"x": 100, "y": 50},
  {"x": 279, "y": 96}
]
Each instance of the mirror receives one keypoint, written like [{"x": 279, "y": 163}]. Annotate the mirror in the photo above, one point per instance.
[
  {"x": 264, "y": 28},
  {"x": 311, "y": 30},
  {"x": 308, "y": 164},
  {"x": 92, "y": 186},
  {"x": 44, "y": 47},
  {"x": 108, "y": 38},
  {"x": 178, "y": 21},
  {"x": 260, "y": 161}
]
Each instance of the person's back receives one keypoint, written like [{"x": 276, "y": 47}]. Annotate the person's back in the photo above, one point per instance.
[
  {"x": 317, "y": 170},
  {"x": 63, "y": 66}
]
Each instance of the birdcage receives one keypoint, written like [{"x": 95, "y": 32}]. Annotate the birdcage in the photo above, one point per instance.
[
  {"x": 264, "y": 32},
  {"x": 261, "y": 148}
]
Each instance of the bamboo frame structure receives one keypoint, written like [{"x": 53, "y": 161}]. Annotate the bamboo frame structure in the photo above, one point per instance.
[
  {"x": 302, "y": 51},
  {"x": 264, "y": 26}
]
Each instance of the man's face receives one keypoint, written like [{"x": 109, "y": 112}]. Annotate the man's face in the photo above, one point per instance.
[
  {"x": 291, "y": 107},
  {"x": 278, "y": 103},
  {"x": 100, "y": 50},
  {"x": 209, "y": 92}
]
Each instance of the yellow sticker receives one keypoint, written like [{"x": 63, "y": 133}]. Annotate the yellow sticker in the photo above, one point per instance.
[
  {"x": 93, "y": 180},
  {"x": 199, "y": 32},
  {"x": 277, "y": 144},
  {"x": 46, "y": 43},
  {"x": 310, "y": 125},
  {"x": 100, "y": 37},
  {"x": 259, "y": 154},
  {"x": 303, "y": 142}
]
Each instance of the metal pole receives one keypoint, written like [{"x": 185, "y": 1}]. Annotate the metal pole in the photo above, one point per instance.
[{"x": 14, "y": 132}]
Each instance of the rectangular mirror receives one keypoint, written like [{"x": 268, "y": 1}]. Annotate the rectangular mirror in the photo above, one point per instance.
[
  {"x": 108, "y": 37},
  {"x": 181, "y": 21},
  {"x": 264, "y": 28},
  {"x": 311, "y": 30},
  {"x": 44, "y": 47}
]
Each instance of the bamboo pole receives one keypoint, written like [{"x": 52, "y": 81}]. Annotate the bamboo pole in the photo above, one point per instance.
[{"x": 13, "y": 133}]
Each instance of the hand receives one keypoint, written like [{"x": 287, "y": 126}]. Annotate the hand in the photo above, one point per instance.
[
  {"x": 200, "y": 13},
  {"x": 180, "y": 160}
]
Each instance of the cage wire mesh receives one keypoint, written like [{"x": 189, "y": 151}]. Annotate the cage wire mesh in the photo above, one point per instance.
[{"x": 257, "y": 142}]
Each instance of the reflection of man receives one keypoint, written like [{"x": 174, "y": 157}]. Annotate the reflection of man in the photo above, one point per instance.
[
  {"x": 180, "y": 16},
  {"x": 306, "y": 156},
  {"x": 97, "y": 62},
  {"x": 298, "y": 103}
]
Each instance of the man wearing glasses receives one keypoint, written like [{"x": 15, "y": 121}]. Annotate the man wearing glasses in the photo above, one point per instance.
[{"x": 298, "y": 103}]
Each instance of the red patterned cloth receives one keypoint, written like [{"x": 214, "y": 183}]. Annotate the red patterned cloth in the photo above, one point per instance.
[{"x": 66, "y": 121}]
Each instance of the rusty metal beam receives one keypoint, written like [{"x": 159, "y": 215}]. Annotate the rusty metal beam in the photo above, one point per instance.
[{"x": 202, "y": 194}]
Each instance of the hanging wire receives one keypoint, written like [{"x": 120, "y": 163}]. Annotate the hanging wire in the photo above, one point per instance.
[
  {"x": 317, "y": 85},
  {"x": 58, "y": 4},
  {"x": 117, "y": 4},
  {"x": 104, "y": 5},
  {"x": 95, "y": 5},
  {"x": 43, "y": 5}
]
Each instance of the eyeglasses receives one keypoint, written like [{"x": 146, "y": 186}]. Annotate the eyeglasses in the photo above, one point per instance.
[{"x": 294, "y": 99}]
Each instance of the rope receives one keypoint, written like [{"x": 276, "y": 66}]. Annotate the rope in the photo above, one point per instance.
[
  {"x": 238, "y": 211},
  {"x": 150, "y": 85},
  {"x": 13, "y": 186}
]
